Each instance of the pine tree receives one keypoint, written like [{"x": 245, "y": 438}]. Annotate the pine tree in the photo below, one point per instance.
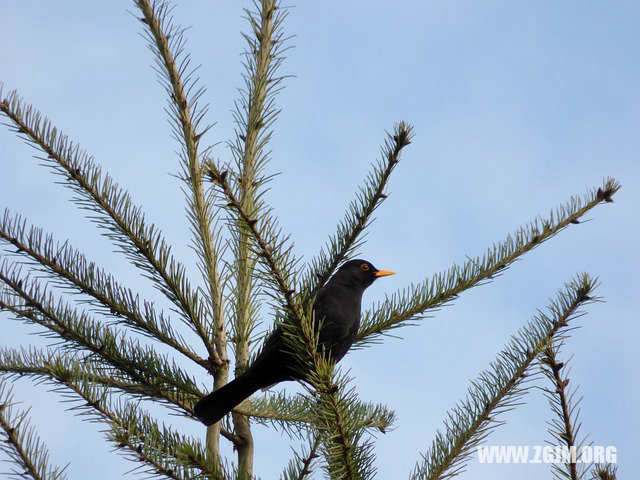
[{"x": 105, "y": 357}]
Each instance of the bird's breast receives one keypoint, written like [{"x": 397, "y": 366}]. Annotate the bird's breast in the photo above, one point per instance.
[{"x": 337, "y": 315}]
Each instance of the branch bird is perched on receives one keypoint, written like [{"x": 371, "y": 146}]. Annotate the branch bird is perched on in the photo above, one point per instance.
[{"x": 337, "y": 312}]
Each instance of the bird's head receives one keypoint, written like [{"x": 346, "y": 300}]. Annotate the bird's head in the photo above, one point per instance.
[{"x": 360, "y": 273}]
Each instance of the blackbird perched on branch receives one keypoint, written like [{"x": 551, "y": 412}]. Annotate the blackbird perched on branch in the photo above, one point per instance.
[{"x": 337, "y": 312}]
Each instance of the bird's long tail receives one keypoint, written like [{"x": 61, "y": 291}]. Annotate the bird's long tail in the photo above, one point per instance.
[{"x": 218, "y": 403}]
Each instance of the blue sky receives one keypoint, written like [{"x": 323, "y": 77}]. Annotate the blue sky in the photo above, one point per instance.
[{"x": 517, "y": 106}]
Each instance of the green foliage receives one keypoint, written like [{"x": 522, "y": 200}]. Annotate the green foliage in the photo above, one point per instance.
[
  {"x": 108, "y": 205},
  {"x": 409, "y": 304},
  {"x": 294, "y": 415},
  {"x": 106, "y": 360},
  {"x": 606, "y": 471},
  {"x": 349, "y": 232},
  {"x": 68, "y": 268},
  {"x": 21, "y": 443},
  {"x": 167, "y": 41},
  {"x": 302, "y": 464},
  {"x": 564, "y": 427},
  {"x": 162, "y": 378},
  {"x": 501, "y": 387}
]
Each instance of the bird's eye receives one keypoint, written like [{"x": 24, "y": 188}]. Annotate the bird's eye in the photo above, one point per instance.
[{"x": 364, "y": 267}]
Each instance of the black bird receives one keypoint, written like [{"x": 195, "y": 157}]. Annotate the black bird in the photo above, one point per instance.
[{"x": 337, "y": 311}]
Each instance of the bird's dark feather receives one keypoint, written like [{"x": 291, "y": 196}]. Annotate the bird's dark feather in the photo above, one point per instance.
[{"x": 337, "y": 316}]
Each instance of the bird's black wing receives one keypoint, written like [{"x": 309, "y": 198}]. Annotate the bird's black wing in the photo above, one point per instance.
[{"x": 338, "y": 316}]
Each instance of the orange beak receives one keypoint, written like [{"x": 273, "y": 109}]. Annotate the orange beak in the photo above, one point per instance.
[{"x": 384, "y": 273}]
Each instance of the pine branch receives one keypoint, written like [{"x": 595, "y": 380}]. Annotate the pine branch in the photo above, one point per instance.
[
  {"x": 275, "y": 256},
  {"x": 168, "y": 452},
  {"x": 564, "y": 427},
  {"x": 606, "y": 471},
  {"x": 269, "y": 244},
  {"x": 167, "y": 41},
  {"x": 22, "y": 445},
  {"x": 61, "y": 367},
  {"x": 302, "y": 465},
  {"x": 501, "y": 387},
  {"x": 295, "y": 415},
  {"x": 255, "y": 112},
  {"x": 69, "y": 268},
  {"x": 158, "y": 450},
  {"x": 111, "y": 207},
  {"x": 349, "y": 235},
  {"x": 58, "y": 364},
  {"x": 347, "y": 454},
  {"x": 411, "y": 303},
  {"x": 161, "y": 378}
]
